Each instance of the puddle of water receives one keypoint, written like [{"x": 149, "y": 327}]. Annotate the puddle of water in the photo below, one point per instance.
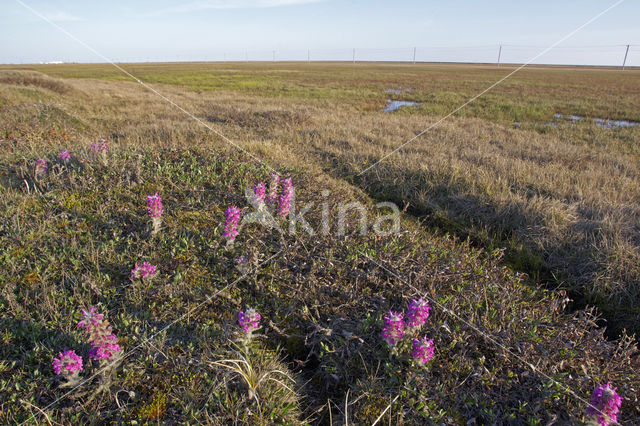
[
  {"x": 600, "y": 122},
  {"x": 614, "y": 124},
  {"x": 394, "y": 105},
  {"x": 394, "y": 91}
]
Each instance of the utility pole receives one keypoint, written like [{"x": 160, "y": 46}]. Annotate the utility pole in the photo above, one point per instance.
[
  {"x": 414, "y": 55},
  {"x": 308, "y": 55},
  {"x": 625, "y": 57},
  {"x": 499, "y": 54},
  {"x": 354, "y": 55}
]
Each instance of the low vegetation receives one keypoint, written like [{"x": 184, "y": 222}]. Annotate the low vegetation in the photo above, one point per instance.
[{"x": 77, "y": 233}]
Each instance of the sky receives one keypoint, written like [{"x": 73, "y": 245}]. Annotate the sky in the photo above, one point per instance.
[{"x": 440, "y": 30}]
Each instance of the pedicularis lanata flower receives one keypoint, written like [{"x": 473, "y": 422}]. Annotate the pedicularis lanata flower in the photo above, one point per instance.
[
  {"x": 100, "y": 146},
  {"x": 422, "y": 350},
  {"x": 143, "y": 270},
  {"x": 285, "y": 198},
  {"x": 41, "y": 166},
  {"x": 67, "y": 363},
  {"x": 104, "y": 344},
  {"x": 418, "y": 312},
  {"x": 155, "y": 210},
  {"x": 249, "y": 320},
  {"x": 232, "y": 217},
  {"x": 259, "y": 193},
  {"x": 154, "y": 205},
  {"x": 608, "y": 402},
  {"x": 393, "y": 329},
  {"x": 273, "y": 188},
  {"x": 64, "y": 155}
]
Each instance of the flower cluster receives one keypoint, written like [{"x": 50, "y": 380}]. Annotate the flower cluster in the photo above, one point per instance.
[
  {"x": 273, "y": 188},
  {"x": 417, "y": 313},
  {"x": 249, "y": 320},
  {"x": 41, "y": 167},
  {"x": 64, "y": 155},
  {"x": 67, "y": 363},
  {"x": 154, "y": 205},
  {"x": 100, "y": 146},
  {"x": 143, "y": 270},
  {"x": 605, "y": 405},
  {"x": 422, "y": 350},
  {"x": 232, "y": 217},
  {"x": 104, "y": 344},
  {"x": 396, "y": 326},
  {"x": 285, "y": 197},
  {"x": 393, "y": 329},
  {"x": 259, "y": 193}
]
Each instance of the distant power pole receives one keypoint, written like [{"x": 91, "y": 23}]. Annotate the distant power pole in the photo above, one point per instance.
[
  {"x": 624, "y": 62},
  {"x": 414, "y": 55},
  {"x": 308, "y": 55},
  {"x": 499, "y": 54},
  {"x": 354, "y": 55}
]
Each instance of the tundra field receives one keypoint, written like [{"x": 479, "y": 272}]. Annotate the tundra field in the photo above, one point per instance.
[{"x": 520, "y": 224}]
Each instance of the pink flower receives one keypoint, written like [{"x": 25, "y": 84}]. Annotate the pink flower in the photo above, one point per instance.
[
  {"x": 100, "y": 146},
  {"x": 417, "y": 313},
  {"x": 422, "y": 350},
  {"x": 249, "y": 320},
  {"x": 232, "y": 217},
  {"x": 259, "y": 192},
  {"x": 105, "y": 348},
  {"x": 605, "y": 405},
  {"x": 273, "y": 188},
  {"x": 143, "y": 270},
  {"x": 100, "y": 335},
  {"x": 285, "y": 198},
  {"x": 64, "y": 155},
  {"x": 67, "y": 363},
  {"x": 90, "y": 318},
  {"x": 154, "y": 205},
  {"x": 393, "y": 329},
  {"x": 41, "y": 166}
]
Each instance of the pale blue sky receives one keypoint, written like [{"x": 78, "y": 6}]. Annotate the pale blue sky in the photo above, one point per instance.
[{"x": 214, "y": 29}]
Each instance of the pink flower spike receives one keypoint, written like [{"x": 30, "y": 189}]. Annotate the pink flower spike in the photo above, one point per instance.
[
  {"x": 418, "y": 312},
  {"x": 249, "y": 320},
  {"x": 89, "y": 318},
  {"x": 64, "y": 155},
  {"x": 232, "y": 217},
  {"x": 41, "y": 166},
  {"x": 422, "y": 350},
  {"x": 393, "y": 329},
  {"x": 104, "y": 348},
  {"x": 67, "y": 363},
  {"x": 143, "y": 270},
  {"x": 605, "y": 405},
  {"x": 285, "y": 199},
  {"x": 259, "y": 192},
  {"x": 100, "y": 146},
  {"x": 273, "y": 188},
  {"x": 154, "y": 205}
]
